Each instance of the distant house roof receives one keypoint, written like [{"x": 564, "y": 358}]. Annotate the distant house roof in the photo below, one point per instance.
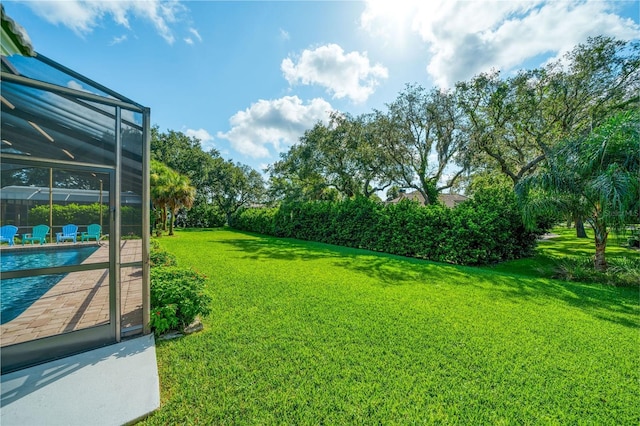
[{"x": 449, "y": 200}]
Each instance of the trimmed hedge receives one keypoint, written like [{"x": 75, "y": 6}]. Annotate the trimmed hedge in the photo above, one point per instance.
[
  {"x": 483, "y": 230},
  {"x": 85, "y": 214},
  {"x": 260, "y": 220}
]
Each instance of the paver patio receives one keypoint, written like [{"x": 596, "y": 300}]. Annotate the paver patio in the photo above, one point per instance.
[{"x": 81, "y": 300}]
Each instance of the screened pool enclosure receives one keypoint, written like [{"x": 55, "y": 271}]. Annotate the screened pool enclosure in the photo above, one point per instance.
[{"x": 73, "y": 152}]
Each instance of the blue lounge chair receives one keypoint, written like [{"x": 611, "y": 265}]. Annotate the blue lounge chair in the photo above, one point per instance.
[
  {"x": 69, "y": 232},
  {"x": 7, "y": 233},
  {"x": 93, "y": 231},
  {"x": 38, "y": 233}
]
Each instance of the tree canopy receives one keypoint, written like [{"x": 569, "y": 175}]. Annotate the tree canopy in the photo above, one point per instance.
[
  {"x": 513, "y": 123},
  {"x": 433, "y": 140},
  {"x": 421, "y": 136},
  {"x": 220, "y": 186},
  {"x": 342, "y": 159}
]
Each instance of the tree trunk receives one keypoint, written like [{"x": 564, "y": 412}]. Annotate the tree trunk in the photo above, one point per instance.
[
  {"x": 171, "y": 220},
  {"x": 164, "y": 218},
  {"x": 425, "y": 196},
  {"x": 600, "y": 262},
  {"x": 580, "y": 232}
]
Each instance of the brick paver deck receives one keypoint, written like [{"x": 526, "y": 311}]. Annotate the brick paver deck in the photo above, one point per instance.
[{"x": 81, "y": 300}]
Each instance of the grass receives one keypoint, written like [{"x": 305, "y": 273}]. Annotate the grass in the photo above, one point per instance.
[
  {"x": 565, "y": 254},
  {"x": 308, "y": 333}
]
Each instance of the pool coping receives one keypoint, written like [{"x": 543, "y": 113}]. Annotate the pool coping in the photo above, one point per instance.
[{"x": 49, "y": 246}]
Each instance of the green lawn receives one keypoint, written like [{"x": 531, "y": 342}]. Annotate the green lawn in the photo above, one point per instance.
[
  {"x": 308, "y": 333},
  {"x": 554, "y": 250}
]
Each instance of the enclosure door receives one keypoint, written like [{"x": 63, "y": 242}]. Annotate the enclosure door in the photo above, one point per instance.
[{"x": 60, "y": 296}]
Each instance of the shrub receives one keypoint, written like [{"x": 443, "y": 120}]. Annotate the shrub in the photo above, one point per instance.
[
  {"x": 489, "y": 229},
  {"x": 177, "y": 294},
  {"x": 486, "y": 229},
  {"x": 160, "y": 257},
  {"x": 621, "y": 272},
  {"x": 163, "y": 319},
  {"x": 177, "y": 297}
]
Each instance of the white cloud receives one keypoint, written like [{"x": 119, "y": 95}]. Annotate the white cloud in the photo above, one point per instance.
[
  {"x": 118, "y": 40},
  {"x": 205, "y": 138},
  {"x": 195, "y": 33},
  {"x": 82, "y": 16},
  {"x": 344, "y": 75},
  {"x": 190, "y": 40},
  {"x": 278, "y": 123},
  {"x": 469, "y": 37},
  {"x": 284, "y": 35}
]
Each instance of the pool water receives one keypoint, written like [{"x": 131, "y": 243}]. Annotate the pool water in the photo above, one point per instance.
[{"x": 17, "y": 294}]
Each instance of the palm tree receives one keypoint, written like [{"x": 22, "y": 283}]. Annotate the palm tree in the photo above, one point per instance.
[
  {"x": 170, "y": 191},
  {"x": 158, "y": 179},
  {"x": 181, "y": 194},
  {"x": 596, "y": 176}
]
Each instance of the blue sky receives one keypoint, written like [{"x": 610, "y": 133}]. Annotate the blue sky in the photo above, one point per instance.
[{"x": 247, "y": 78}]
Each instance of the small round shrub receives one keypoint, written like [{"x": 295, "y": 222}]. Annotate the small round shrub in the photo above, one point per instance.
[{"x": 177, "y": 297}]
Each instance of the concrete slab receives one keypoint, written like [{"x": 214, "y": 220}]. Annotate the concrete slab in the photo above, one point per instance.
[{"x": 113, "y": 385}]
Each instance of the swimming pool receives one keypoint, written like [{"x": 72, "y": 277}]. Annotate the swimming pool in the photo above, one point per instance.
[{"x": 20, "y": 293}]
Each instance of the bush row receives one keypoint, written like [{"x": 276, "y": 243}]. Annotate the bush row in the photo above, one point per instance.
[{"x": 486, "y": 229}]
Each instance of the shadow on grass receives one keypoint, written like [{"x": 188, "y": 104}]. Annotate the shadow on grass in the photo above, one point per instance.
[
  {"x": 618, "y": 305},
  {"x": 264, "y": 248},
  {"x": 393, "y": 270},
  {"x": 568, "y": 247},
  {"x": 614, "y": 304},
  {"x": 567, "y": 244},
  {"x": 188, "y": 230}
]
